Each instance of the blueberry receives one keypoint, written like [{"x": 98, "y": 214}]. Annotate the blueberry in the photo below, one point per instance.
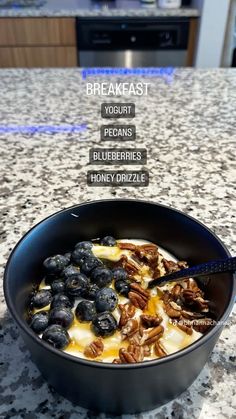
[
  {"x": 41, "y": 299},
  {"x": 75, "y": 286},
  {"x": 122, "y": 287},
  {"x": 55, "y": 264},
  {"x": 57, "y": 286},
  {"x": 108, "y": 241},
  {"x": 70, "y": 271},
  {"x": 56, "y": 336},
  {"x": 106, "y": 300},
  {"x": 84, "y": 245},
  {"x": 104, "y": 324},
  {"x": 68, "y": 257},
  {"x": 39, "y": 321},
  {"x": 79, "y": 255},
  {"x": 85, "y": 311},
  {"x": 119, "y": 273},
  {"x": 101, "y": 276},
  {"x": 62, "y": 316},
  {"x": 61, "y": 300},
  {"x": 89, "y": 264},
  {"x": 90, "y": 292}
]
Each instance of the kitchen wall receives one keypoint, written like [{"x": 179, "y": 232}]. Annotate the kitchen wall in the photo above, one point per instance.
[
  {"x": 212, "y": 32},
  {"x": 230, "y": 39}
]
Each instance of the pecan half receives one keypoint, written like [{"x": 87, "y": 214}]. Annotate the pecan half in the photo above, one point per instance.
[
  {"x": 156, "y": 272},
  {"x": 152, "y": 261},
  {"x": 177, "y": 294},
  {"x": 159, "y": 350},
  {"x": 136, "y": 351},
  {"x": 150, "y": 321},
  {"x": 146, "y": 350},
  {"x": 127, "y": 312},
  {"x": 152, "y": 335},
  {"x": 130, "y": 266},
  {"x": 182, "y": 264},
  {"x": 176, "y": 306},
  {"x": 191, "y": 314},
  {"x": 201, "y": 304},
  {"x": 202, "y": 325},
  {"x": 138, "y": 296},
  {"x": 170, "y": 311},
  {"x": 192, "y": 285},
  {"x": 189, "y": 296},
  {"x": 166, "y": 297},
  {"x": 126, "y": 357},
  {"x": 141, "y": 329},
  {"x": 185, "y": 326},
  {"x": 170, "y": 266},
  {"x": 121, "y": 262},
  {"x": 136, "y": 260},
  {"x": 146, "y": 249},
  {"x": 116, "y": 361},
  {"x": 193, "y": 298},
  {"x": 94, "y": 349},
  {"x": 148, "y": 253},
  {"x": 129, "y": 329},
  {"x": 128, "y": 246},
  {"x": 136, "y": 338},
  {"x": 176, "y": 291}
]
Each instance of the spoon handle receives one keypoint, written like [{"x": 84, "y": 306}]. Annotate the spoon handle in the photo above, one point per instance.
[{"x": 213, "y": 267}]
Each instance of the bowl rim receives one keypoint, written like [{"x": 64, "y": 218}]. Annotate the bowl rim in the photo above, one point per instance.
[{"x": 96, "y": 364}]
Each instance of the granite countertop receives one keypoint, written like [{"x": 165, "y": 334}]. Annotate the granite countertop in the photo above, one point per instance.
[
  {"x": 90, "y": 8},
  {"x": 48, "y": 125}
]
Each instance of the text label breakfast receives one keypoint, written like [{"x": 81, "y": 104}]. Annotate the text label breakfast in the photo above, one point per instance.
[{"x": 113, "y": 89}]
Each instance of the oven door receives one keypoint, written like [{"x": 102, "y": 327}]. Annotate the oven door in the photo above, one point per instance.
[
  {"x": 131, "y": 59},
  {"x": 132, "y": 42}
]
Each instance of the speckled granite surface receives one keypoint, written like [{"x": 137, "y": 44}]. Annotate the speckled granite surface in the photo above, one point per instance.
[
  {"x": 90, "y": 8},
  {"x": 188, "y": 126}
]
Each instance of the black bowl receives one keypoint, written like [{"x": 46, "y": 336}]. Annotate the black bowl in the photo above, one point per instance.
[{"x": 112, "y": 387}]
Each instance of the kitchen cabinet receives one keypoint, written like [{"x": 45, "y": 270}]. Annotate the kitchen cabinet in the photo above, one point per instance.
[
  {"x": 38, "y": 57},
  {"x": 37, "y": 42}
]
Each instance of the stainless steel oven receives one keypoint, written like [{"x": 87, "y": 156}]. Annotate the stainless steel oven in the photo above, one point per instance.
[{"x": 132, "y": 42}]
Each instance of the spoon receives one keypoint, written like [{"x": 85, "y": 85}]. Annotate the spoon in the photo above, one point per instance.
[{"x": 212, "y": 267}]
